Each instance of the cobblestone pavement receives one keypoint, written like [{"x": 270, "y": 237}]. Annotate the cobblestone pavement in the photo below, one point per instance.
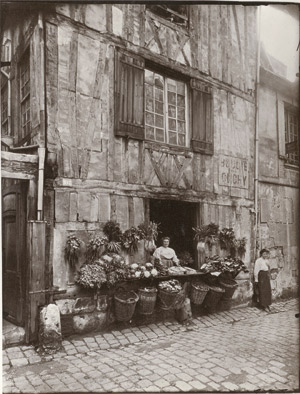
[{"x": 243, "y": 349}]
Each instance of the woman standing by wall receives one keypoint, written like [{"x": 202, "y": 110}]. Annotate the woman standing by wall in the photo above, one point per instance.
[{"x": 262, "y": 280}]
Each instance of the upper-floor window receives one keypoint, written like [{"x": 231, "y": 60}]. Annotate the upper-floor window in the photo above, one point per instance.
[
  {"x": 174, "y": 13},
  {"x": 291, "y": 135},
  {"x": 154, "y": 104},
  {"x": 4, "y": 105},
  {"x": 166, "y": 109},
  {"x": 24, "y": 69}
]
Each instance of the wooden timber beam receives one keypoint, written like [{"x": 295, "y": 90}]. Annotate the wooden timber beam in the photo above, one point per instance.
[{"x": 19, "y": 166}]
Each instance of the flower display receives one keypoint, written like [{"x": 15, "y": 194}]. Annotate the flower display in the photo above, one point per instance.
[
  {"x": 216, "y": 265},
  {"x": 72, "y": 249},
  {"x": 171, "y": 286}
]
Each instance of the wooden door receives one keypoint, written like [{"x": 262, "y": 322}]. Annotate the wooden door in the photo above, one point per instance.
[{"x": 14, "y": 253}]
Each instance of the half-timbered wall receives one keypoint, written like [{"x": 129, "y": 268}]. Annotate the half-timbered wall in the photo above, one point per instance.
[
  {"x": 100, "y": 176},
  {"x": 22, "y": 35}
]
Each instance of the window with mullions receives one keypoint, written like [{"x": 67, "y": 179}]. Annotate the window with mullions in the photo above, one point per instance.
[
  {"x": 25, "y": 96},
  {"x": 291, "y": 136},
  {"x": 4, "y": 106},
  {"x": 174, "y": 13},
  {"x": 154, "y": 105},
  {"x": 166, "y": 109}
]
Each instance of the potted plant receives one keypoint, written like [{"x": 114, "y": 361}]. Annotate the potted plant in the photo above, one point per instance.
[
  {"x": 114, "y": 234},
  {"x": 95, "y": 247},
  {"x": 227, "y": 240},
  {"x": 72, "y": 250},
  {"x": 131, "y": 238},
  {"x": 150, "y": 233},
  {"x": 240, "y": 246}
]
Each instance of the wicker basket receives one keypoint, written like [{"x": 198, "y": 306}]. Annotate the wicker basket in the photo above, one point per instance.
[
  {"x": 229, "y": 285},
  {"x": 213, "y": 297},
  {"x": 169, "y": 300},
  {"x": 125, "y": 303},
  {"x": 198, "y": 293},
  {"x": 147, "y": 300}
]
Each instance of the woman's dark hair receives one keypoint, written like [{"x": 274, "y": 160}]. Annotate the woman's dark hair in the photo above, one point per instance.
[
  {"x": 263, "y": 251},
  {"x": 163, "y": 238}
]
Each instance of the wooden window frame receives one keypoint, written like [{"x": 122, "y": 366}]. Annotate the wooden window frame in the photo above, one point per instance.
[
  {"x": 291, "y": 141},
  {"x": 5, "y": 106},
  {"x": 167, "y": 75},
  {"x": 166, "y": 12},
  {"x": 24, "y": 99},
  {"x": 202, "y": 135}
]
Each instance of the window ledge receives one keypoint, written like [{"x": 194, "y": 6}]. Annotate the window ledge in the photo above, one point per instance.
[
  {"x": 163, "y": 147},
  {"x": 292, "y": 166}
]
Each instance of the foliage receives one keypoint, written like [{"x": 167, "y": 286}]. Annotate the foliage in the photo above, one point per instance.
[
  {"x": 185, "y": 259},
  {"x": 72, "y": 249},
  {"x": 206, "y": 232},
  {"x": 227, "y": 239},
  {"x": 149, "y": 230},
  {"x": 114, "y": 247},
  {"x": 94, "y": 247},
  {"x": 92, "y": 275},
  {"x": 131, "y": 238},
  {"x": 240, "y": 246},
  {"x": 112, "y": 230},
  {"x": 218, "y": 265}
]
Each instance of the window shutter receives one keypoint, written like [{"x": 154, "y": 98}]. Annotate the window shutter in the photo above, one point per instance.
[
  {"x": 129, "y": 95},
  {"x": 202, "y": 130}
]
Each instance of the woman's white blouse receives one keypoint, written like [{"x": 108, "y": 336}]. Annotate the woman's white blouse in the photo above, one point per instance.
[
  {"x": 167, "y": 253},
  {"x": 260, "y": 265}
]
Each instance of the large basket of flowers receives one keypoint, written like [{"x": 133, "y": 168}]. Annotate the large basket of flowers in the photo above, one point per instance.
[
  {"x": 147, "y": 300},
  {"x": 171, "y": 295},
  {"x": 213, "y": 297},
  {"x": 198, "y": 292},
  {"x": 125, "y": 303}
]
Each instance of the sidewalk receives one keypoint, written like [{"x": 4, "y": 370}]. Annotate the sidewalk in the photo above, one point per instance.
[{"x": 19, "y": 356}]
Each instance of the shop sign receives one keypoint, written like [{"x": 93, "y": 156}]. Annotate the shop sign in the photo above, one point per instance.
[{"x": 233, "y": 172}]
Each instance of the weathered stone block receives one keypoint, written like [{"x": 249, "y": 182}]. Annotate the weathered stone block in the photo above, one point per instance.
[
  {"x": 89, "y": 322},
  {"x": 84, "y": 304},
  {"x": 50, "y": 337},
  {"x": 65, "y": 306}
]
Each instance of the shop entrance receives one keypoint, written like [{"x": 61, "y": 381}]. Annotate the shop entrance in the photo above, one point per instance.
[
  {"x": 176, "y": 219},
  {"x": 13, "y": 249}
]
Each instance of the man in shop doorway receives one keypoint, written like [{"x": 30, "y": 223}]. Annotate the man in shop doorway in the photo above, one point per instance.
[{"x": 166, "y": 255}]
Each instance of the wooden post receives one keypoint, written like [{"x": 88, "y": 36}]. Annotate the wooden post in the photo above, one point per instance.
[{"x": 36, "y": 237}]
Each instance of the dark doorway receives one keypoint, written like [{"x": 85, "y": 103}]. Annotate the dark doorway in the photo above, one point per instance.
[
  {"x": 13, "y": 249},
  {"x": 176, "y": 219}
]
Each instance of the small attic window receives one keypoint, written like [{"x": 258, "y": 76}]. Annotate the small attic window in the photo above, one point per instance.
[{"x": 174, "y": 13}]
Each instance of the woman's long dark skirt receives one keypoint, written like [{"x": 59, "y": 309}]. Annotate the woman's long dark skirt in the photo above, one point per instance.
[{"x": 264, "y": 287}]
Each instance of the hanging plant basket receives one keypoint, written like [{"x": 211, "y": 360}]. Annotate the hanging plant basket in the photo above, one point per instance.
[
  {"x": 147, "y": 300},
  {"x": 125, "y": 303}
]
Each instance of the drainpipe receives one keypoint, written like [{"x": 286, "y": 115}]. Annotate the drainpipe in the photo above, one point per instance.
[
  {"x": 42, "y": 148},
  {"x": 256, "y": 174}
]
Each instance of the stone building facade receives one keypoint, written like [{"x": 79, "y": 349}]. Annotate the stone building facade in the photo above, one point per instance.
[{"x": 143, "y": 113}]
